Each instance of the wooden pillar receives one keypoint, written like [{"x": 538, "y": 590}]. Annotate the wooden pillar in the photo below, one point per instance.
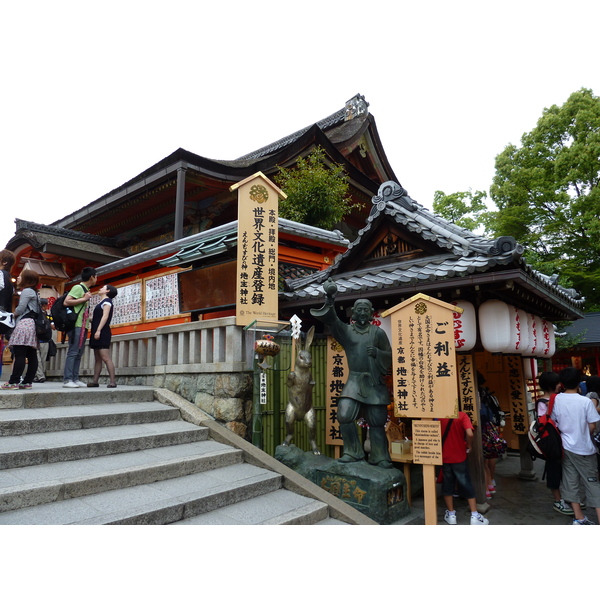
[{"x": 179, "y": 203}]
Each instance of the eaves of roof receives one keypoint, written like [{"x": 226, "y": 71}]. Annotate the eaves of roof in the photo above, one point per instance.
[
  {"x": 265, "y": 159},
  {"x": 215, "y": 241},
  {"x": 61, "y": 243},
  {"x": 466, "y": 254}
]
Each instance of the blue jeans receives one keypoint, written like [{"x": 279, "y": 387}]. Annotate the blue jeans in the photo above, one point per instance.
[
  {"x": 74, "y": 354},
  {"x": 457, "y": 474}
]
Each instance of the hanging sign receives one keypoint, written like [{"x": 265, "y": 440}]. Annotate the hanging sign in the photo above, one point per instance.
[
  {"x": 263, "y": 387},
  {"x": 257, "y": 249},
  {"x": 517, "y": 394},
  {"x": 467, "y": 386},
  {"x": 337, "y": 374},
  {"x": 424, "y": 360},
  {"x": 427, "y": 442}
]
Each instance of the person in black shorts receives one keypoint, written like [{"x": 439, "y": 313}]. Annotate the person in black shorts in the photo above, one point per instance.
[{"x": 100, "y": 336}]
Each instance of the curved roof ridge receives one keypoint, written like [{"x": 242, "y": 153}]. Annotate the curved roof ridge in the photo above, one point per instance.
[{"x": 356, "y": 106}]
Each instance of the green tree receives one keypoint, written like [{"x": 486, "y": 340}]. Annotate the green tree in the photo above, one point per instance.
[
  {"x": 317, "y": 192},
  {"x": 547, "y": 194},
  {"x": 461, "y": 208}
]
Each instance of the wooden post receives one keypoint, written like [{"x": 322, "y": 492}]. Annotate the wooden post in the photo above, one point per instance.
[{"x": 429, "y": 493}]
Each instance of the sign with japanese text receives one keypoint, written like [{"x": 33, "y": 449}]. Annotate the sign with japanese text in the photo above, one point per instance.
[
  {"x": 427, "y": 442},
  {"x": 467, "y": 386},
  {"x": 263, "y": 387},
  {"x": 337, "y": 373},
  {"x": 517, "y": 394},
  {"x": 424, "y": 367},
  {"x": 257, "y": 249}
]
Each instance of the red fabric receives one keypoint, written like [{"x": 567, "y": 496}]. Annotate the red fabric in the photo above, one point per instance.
[{"x": 455, "y": 444}]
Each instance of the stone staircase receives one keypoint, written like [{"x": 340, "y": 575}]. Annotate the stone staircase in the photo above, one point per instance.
[{"x": 144, "y": 456}]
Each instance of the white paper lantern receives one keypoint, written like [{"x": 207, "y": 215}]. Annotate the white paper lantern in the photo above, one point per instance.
[
  {"x": 494, "y": 325},
  {"x": 548, "y": 345},
  {"x": 530, "y": 370},
  {"x": 535, "y": 334},
  {"x": 522, "y": 325},
  {"x": 516, "y": 335},
  {"x": 465, "y": 326},
  {"x": 534, "y": 329}
]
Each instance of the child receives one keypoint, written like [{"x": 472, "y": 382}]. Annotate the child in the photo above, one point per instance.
[{"x": 549, "y": 384}]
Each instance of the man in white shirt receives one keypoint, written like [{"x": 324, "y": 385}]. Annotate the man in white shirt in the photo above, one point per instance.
[{"x": 576, "y": 418}]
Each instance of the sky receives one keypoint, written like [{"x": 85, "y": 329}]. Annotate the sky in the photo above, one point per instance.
[{"x": 95, "y": 93}]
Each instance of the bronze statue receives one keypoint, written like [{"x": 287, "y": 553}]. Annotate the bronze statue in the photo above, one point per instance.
[
  {"x": 301, "y": 384},
  {"x": 369, "y": 355}
]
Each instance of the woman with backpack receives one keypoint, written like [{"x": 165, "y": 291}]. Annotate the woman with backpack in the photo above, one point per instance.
[
  {"x": 493, "y": 445},
  {"x": 550, "y": 384},
  {"x": 23, "y": 340}
]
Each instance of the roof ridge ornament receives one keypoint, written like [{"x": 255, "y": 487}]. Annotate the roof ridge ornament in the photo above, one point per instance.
[
  {"x": 355, "y": 107},
  {"x": 390, "y": 191},
  {"x": 504, "y": 244}
]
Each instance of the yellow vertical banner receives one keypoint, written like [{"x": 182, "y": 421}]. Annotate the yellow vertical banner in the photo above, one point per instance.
[
  {"x": 337, "y": 373},
  {"x": 423, "y": 358},
  {"x": 467, "y": 386},
  {"x": 517, "y": 394},
  {"x": 257, "y": 249}
]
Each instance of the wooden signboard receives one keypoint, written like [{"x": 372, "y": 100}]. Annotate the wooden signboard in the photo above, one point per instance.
[
  {"x": 423, "y": 358},
  {"x": 427, "y": 442},
  {"x": 517, "y": 395},
  {"x": 257, "y": 249},
  {"x": 337, "y": 374},
  {"x": 467, "y": 387}
]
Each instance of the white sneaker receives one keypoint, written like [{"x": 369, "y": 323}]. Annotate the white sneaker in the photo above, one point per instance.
[
  {"x": 80, "y": 383},
  {"x": 479, "y": 519},
  {"x": 70, "y": 384},
  {"x": 450, "y": 518}
]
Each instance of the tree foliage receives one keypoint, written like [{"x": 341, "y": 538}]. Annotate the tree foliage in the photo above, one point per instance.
[
  {"x": 461, "y": 208},
  {"x": 317, "y": 192},
  {"x": 547, "y": 194}
]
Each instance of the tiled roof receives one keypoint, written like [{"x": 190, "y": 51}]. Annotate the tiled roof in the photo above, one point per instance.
[
  {"x": 462, "y": 253},
  {"x": 215, "y": 241},
  {"x": 589, "y": 326},
  {"x": 355, "y": 107}
]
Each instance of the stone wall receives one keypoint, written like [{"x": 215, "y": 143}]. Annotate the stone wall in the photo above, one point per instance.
[{"x": 227, "y": 397}]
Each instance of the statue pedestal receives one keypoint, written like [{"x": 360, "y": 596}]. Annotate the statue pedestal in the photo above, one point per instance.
[{"x": 378, "y": 493}]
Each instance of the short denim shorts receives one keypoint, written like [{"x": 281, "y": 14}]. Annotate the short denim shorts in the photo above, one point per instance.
[{"x": 457, "y": 474}]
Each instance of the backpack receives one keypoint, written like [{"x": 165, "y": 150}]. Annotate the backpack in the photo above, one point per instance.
[
  {"x": 543, "y": 438},
  {"x": 64, "y": 317}
]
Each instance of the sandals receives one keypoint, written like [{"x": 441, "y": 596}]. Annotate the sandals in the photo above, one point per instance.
[{"x": 111, "y": 385}]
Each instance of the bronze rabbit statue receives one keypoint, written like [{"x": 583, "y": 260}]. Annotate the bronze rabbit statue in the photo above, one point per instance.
[{"x": 300, "y": 384}]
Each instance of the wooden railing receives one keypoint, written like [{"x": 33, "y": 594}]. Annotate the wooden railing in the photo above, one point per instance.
[{"x": 216, "y": 345}]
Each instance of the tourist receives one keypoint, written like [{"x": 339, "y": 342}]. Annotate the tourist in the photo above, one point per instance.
[
  {"x": 23, "y": 340},
  {"x": 100, "y": 335},
  {"x": 78, "y": 298},
  {"x": 576, "y": 419},
  {"x": 457, "y": 436},
  {"x": 550, "y": 384}
]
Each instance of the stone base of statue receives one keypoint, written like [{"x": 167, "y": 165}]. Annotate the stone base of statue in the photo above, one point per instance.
[{"x": 376, "y": 492}]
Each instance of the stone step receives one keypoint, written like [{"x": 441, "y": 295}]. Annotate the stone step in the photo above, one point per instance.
[
  {"x": 98, "y": 456},
  {"x": 38, "y": 397},
  {"x": 280, "y": 507},
  {"x": 51, "y": 447},
  {"x": 159, "y": 502},
  {"x": 25, "y": 421},
  {"x": 31, "y": 486}
]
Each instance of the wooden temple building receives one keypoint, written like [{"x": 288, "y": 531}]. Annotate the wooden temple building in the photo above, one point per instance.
[{"x": 167, "y": 240}]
